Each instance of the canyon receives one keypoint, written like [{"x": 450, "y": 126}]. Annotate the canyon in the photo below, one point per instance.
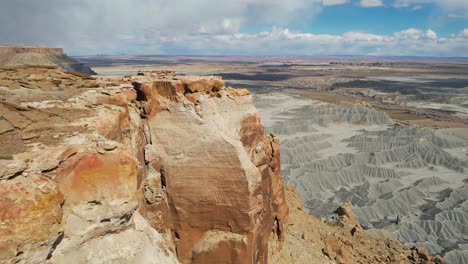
[{"x": 159, "y": 167}]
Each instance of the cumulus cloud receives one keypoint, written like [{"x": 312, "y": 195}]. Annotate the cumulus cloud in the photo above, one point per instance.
[
  {"x": 409, "y": 34},
  {"x": 364, "y": 37},
  {"x": 430, "y": 34},
  {"x": 410, "y": 42},
  {"x": 371, "y": 3},
  {"x": 416, "y": 34},
  {"x": 91, "y": 24},
  {"x": 201, "y": 27}
]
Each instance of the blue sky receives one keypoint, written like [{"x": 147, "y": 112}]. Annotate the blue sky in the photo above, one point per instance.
[
  {"x": 384, "y": 20},
  {"x": 240, "y": 27}
]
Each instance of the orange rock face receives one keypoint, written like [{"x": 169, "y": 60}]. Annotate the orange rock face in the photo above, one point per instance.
[
  {"x": 194, "y": 85},
  {"x": 219, "y": 173},
  {"x": 150, "y": 169},
  {"x": 30, "y": 213},
  {"x": 96, "y": 176}
]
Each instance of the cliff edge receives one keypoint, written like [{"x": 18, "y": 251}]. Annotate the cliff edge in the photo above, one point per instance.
[{"x": 154, "y": 168}]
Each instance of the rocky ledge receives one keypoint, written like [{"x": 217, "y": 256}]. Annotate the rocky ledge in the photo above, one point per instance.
[{"x": 153, "y": 168}]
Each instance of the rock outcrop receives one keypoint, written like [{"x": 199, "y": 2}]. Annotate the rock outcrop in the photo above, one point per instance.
[
  {"x": 208, "y": 147},
  {"x": 154, "y": 168},
  {"x": 40, "y": 56}
]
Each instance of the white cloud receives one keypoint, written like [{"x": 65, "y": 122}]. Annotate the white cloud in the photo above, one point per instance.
[
  {"x": 282, "y": 41},
  {"x": 430, "y": 34},
  {"x": 91, "y": 24},
  {"x": 409, "y": 34},
  {"x": 364, "y": 37},
  {"x": 416, "y": 34},
  {"x": 334, "y": 2},
  {"x": 201, "y": 27},
  {"x": 371, "y": 3},
  {"x": 450, "y": 8}
]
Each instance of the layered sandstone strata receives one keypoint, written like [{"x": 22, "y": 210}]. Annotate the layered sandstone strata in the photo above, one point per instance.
[
  {"x": 42, "y": 56},
  {"x": 154, "y": 168}
]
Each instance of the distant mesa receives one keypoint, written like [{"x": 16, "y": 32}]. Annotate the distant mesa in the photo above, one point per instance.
[{"x": 41, "y": 56}]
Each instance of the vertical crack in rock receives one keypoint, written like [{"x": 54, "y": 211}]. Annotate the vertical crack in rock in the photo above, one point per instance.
[{"x": 54, "y": 245}]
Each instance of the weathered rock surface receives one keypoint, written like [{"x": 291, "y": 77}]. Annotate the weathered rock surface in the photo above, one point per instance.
[
  {"x": 208, "y": 147},
  {"x": 153, "y": 168},
  {"x": 40, "y": 56}
]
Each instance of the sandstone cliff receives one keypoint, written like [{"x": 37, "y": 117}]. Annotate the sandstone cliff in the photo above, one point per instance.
[
  {"x": 23, "y": 55},
  {"x": 154, "y": 168}
]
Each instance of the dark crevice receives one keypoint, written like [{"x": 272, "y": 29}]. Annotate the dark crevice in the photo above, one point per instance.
[
  {"x": 176, "y": 234},
  {"x": 140, "y": 94},
  {"x": 94, "y": 202},
  {"x": 186, "y": 89},
  {"x": 19, "y": 173},
  {"x": 278, "y": 227},
  {"x": 127, "y": 216},
  {"x": 49, "y": 170},
  {"x": 54, "y": 245},
  {"x": 163, "y": 178}
]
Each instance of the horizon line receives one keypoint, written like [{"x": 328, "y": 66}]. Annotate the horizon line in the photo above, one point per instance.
[{"x": 273, "y": 56}]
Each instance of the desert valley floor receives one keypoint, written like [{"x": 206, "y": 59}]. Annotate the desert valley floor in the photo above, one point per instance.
[{"x": 389, "y": 135}]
